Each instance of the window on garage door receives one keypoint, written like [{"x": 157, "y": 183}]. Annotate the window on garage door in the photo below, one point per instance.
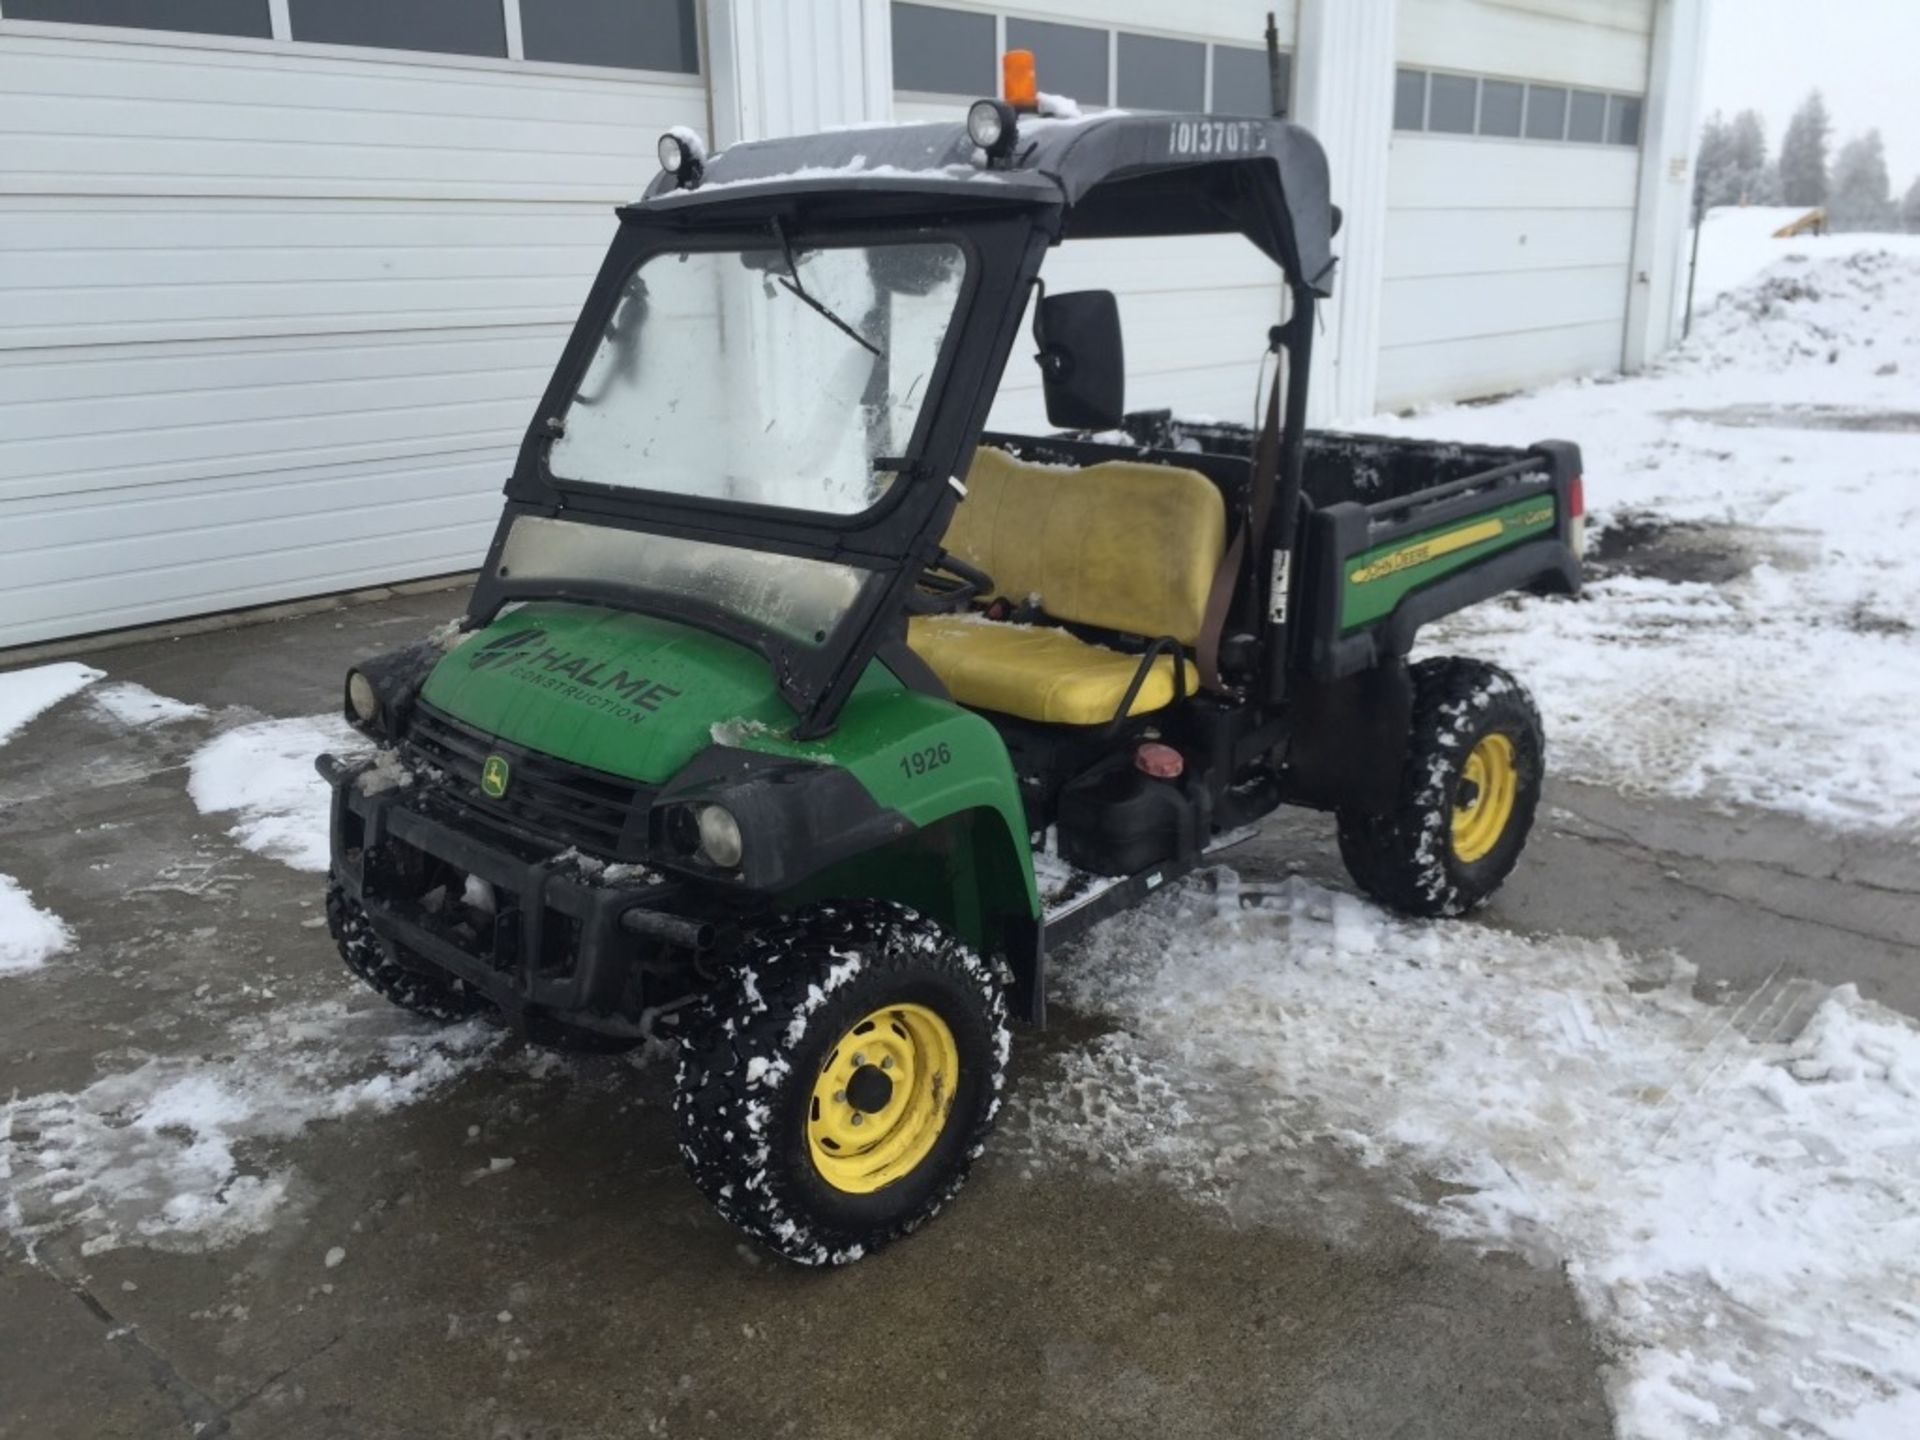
[
  {"x": 1587, "y": 117},
  {"x": 629, "y": 34},
  {"x": 1409, "y": 99},
  {"x": 1546, "y": 112},
  {"x": 1623, "y": 120},
  {"x": 200, "y": 17},
  {"x": 1501, "y": 102},
  {"x": 1241, "y": 85},
  {"x": 1071, "y": 59},
  {"x": 1158, "y": 74},
  {"x": 449, "y": 27},
  {"x": 1452, "y": 103},
  {"x": 948, "y": 52}
]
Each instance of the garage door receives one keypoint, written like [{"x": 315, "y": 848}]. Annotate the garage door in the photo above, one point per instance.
[
  {"x": 1511, "y": 194},
  {"x": 273, "y": 316}
]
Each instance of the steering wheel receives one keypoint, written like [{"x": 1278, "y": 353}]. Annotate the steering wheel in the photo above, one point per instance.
[{"x": 948, "y": 586}]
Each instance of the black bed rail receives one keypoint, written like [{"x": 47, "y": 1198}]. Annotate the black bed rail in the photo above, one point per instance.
[{"x": 1382, "y": 511}]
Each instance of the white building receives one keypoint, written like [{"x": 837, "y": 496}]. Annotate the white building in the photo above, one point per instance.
[{"x": 280, "y": 280}]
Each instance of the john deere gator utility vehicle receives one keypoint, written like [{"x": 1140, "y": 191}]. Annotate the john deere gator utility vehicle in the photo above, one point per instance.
[{"x": 797, "y": 717}]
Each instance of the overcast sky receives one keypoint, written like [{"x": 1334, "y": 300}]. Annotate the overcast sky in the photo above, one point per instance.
[{"x": 1864, "y": 55}]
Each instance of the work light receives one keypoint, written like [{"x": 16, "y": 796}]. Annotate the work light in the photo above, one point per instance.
[
  {"x": 682, "y": 156},
  {"x": 990, "y": 125}
]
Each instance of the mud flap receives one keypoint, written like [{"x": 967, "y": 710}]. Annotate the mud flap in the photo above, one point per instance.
[{"x": 1350, "y": 739}]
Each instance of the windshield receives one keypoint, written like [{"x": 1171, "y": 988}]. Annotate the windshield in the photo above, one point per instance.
[{"x": 781, "y": 375}]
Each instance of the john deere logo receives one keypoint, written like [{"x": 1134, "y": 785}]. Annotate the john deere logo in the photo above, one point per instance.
[{"x": 493, "y": 777}]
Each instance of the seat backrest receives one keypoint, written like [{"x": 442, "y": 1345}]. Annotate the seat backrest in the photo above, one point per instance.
[{"x": 1121, "y": 545}]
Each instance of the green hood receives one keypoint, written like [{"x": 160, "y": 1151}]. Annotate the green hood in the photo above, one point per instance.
[{"x": 627, "y": 694}]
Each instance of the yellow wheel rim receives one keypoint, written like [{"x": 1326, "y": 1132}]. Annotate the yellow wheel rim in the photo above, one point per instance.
[
  {"x": 882, "y": 1098},
  {"x": 1483, "y": 801}
]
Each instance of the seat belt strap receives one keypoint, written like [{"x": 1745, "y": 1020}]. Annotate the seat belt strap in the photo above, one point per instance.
[{"x": 1251, "y": 534}]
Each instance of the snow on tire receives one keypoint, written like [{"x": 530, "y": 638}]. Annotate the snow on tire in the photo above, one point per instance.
[
  {"x": 1467, "y": 796},
  {"x": 756, "y": 1054}
]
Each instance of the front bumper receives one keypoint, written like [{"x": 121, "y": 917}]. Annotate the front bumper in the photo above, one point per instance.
[{"x": 559, "y": 941}]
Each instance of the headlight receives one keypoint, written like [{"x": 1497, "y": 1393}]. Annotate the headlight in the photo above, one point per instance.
[
  {"x": 362, "y": 698},
  {"x": 720, "y": 836}
]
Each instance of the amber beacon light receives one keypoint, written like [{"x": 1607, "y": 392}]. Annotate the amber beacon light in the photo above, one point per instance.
[{"x": 1017, "y": 81}]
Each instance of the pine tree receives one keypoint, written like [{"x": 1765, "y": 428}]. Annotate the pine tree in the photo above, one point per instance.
[
  {"x": 1862, "y": 194},
  {"x": 1755, "y": 179},
  {"x": 1910, "y": 208},
  {"x": 1711, "y": 168},
  {"x": 1803, "y": 154}
]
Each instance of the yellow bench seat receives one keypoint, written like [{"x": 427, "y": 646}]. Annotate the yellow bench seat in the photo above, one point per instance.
[{"x": 1036, "y": 672}]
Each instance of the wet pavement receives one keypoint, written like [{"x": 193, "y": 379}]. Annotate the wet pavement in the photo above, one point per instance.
[{"x": 586, "y": 1291}]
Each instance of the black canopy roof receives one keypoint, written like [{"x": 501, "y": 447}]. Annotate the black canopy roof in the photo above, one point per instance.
[{"x": 1111, "y": 174}]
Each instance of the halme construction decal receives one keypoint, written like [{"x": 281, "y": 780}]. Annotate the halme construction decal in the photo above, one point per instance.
[{"x": 612, "y": 689}]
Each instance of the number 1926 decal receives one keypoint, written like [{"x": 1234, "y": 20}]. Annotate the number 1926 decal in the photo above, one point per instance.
[
  {"x": 919, "y": 762},
  {"x": 1216, "y": 137}
]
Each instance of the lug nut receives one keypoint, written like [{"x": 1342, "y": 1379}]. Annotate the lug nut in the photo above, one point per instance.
[
  {"x": 886, "y": 1062},
  {"x": 839, "y": 1097},
  {"x": 859, "y": 1059},
  {"x": 858, "y": 1118}
]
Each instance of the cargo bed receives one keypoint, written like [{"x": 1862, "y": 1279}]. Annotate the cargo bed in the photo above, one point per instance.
[{"x": 1395, "y": 532}]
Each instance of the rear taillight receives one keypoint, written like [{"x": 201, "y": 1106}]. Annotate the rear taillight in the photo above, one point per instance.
[{"x": 1577, "y": 516}]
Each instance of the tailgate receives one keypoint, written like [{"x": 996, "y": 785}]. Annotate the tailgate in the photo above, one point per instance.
[{"x": 1375, "y": 573}]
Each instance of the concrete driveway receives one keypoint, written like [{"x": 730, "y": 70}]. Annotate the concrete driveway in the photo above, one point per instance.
[{"x": 584, "y": 1290}]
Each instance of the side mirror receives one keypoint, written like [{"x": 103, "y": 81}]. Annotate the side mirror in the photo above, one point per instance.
[{"x": 1082, "y": 368}]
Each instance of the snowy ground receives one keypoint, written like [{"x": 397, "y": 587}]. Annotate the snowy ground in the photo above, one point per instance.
[
  {"x": 1769, "y": 653},
  {"x": 29, "y": 935},
  {"x": 1734, "y": 1192}
]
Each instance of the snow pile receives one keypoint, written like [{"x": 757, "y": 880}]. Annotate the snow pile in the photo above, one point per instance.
[
  {"x": 1764, "y": 647},
  {"x": 136, "y": 707},
  {"x": 25, "y": 693},
  {"x": 1741, "y": 1215},
  {"x": 28, "y": 936},
  {"x": 1805, "y": 310},
  {"x": 170, "y": 1154},
  {"x": 264, "y": 774},
  {"x": 1738, "y": 242}
]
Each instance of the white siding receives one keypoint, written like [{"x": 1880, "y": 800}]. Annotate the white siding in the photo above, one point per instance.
[
  {"x": 1508, "y": 262},
  {"x": 1600, "y": 44},
  {"x": 272, "y": 317},
  {"x": 781, "y": 68},
  {"x": 1239, "y": 22}
]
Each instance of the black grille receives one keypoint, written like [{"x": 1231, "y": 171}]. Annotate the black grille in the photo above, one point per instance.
[{"x": 569, "y": 804}]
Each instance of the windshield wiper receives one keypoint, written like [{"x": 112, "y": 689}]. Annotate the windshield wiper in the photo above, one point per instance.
[{"x": 792, "y": 282}]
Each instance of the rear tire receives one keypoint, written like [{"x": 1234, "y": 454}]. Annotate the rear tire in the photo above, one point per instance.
[
  {"x": 427, "y": 993},
  {"x": 834, "y": 1092},
  {"x": 1467, "y": 795}
]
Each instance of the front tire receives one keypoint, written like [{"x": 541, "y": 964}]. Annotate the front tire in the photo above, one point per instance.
[
  {"x": 1467, "y": 795},
  {"x": 427, "y": 993},
  {"x": 833, "y": 1093}
]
